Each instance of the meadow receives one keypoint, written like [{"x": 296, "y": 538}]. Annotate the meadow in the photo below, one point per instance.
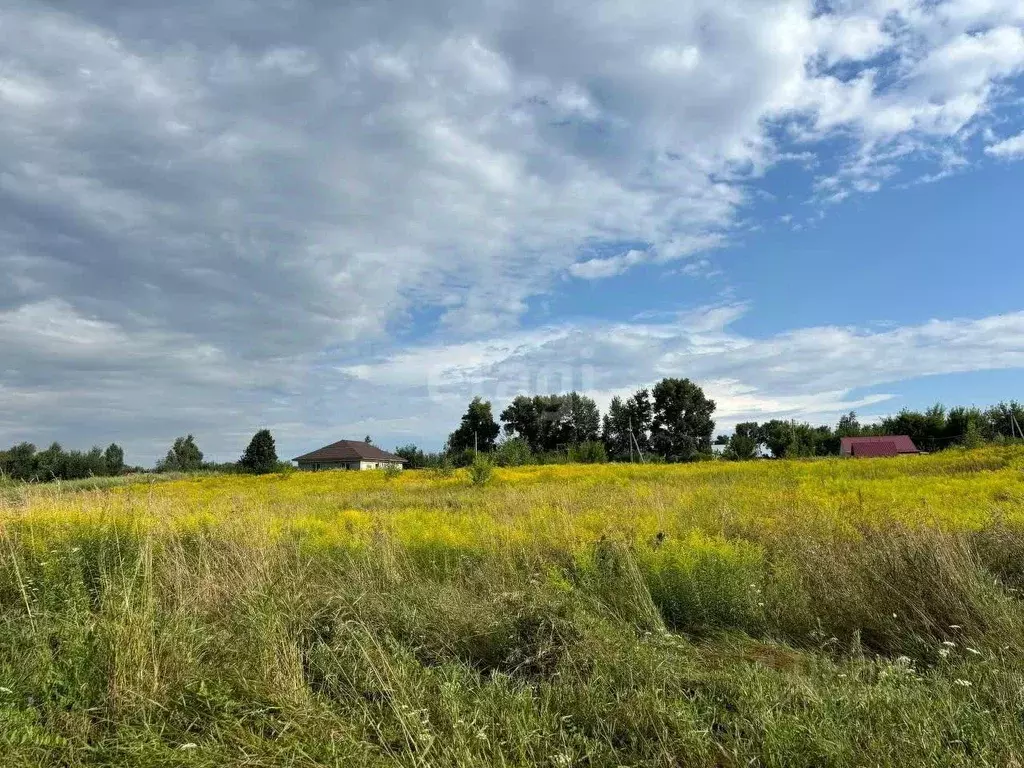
[{"x": 778, "y": 613}]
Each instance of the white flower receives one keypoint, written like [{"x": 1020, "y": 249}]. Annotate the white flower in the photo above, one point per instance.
[
  {"x": 964, "y": 683},
  {"x": 949, "y": 643},
  {"x": 190, "y": 745},
  {"x": 943, "y": 652},
  {"x": 975, "y": 651}
]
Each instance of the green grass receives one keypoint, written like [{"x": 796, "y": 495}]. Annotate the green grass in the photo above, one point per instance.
[{"x": 901, "y": 645}]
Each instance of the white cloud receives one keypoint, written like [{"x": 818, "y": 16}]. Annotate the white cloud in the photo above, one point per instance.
[
  {"x": 671, "y": 250},
  {"x": 159, "y": 386},
  {"x": 596, "y": 269},
  {"x": 231, "y": 211},
  {"x": 807, "y": 374},
  {"x": 851, "y": 38},
  {"x": 1008, "y": 149}
]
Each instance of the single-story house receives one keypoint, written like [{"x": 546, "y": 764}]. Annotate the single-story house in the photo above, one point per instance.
[
  {"x": 349, "y": 454},
  {"x": 871, "y": 447}
]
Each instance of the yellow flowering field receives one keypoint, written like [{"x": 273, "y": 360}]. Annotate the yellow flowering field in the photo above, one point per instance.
[
  {"x": 563, "y": 505},
  {"x": 773, "y": 613}
]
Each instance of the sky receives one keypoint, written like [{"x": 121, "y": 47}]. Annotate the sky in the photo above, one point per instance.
[{"x": 339, "y": 219}]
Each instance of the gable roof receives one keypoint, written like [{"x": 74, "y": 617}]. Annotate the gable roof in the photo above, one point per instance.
[
  {"x": 854, "y": 446},
  {"x": 350, "y": 450}
]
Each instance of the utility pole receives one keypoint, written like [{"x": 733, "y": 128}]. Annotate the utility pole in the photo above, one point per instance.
[
  {"x": 633, "y": 441},
  {"x": 642, "y": 459},
  {"x": 630, "y": 439},
  {"x": 475, "y": 451}
]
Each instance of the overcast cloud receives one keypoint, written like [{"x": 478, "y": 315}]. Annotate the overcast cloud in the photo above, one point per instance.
[{"x": 328, "y": 217}]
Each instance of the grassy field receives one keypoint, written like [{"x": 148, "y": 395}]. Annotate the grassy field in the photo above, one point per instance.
[{"x": 820, "y": 613}]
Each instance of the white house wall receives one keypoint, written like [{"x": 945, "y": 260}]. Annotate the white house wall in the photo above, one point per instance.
[{"x": 352, "y": 465}]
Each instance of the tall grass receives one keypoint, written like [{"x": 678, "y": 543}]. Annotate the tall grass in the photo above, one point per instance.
[{"x": 772, "y": 615}]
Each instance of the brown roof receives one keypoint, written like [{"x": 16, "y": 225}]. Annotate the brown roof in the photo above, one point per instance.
[
  {"x": 350, "y": 450},
  {"x": 852, "y": 445}
]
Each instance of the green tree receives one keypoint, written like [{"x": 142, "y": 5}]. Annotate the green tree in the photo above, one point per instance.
[
  {"x": 776, "y": 434},
  {"x": 51, "y": 464},
  {"x": 260, "y": 457},
  {"x": 552, "y": 413},
  {"x": 927, "y": 429},
  {"x": 848, "y": 426},
  {"x": 86, "y": 464},
  {"x": 113, "y": 459},
  {"x": 184, "y": 456},
  {"x": 477, "y": 429},
  {"x": 552, "y": 422},
  {"x": 681, "y": 424},
  {"x": 414, "y": 457},
  {"x": 632, "y": 414},
  {"x": 744, "y": 441},
  {"x": 19, "y": 462},
  {"x": 966, "y": 426},
  {"x": 1006, "y": 419},
  {"x": 521, "y": 419},
  {"x": 791, "y": 439},
  {"x": 971, "y": 437},
  {"x": 582, "y": 420}
]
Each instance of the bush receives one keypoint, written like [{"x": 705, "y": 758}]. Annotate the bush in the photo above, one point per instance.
[
  {"x": 513, "y": 453},
  {"x": 460, "y": 459},
  {"x": 443, "y": 467},
  {"x": 481, "y": 470},
  {"x": 590, "y": 452}
]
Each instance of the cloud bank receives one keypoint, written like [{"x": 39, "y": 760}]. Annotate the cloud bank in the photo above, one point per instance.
[{"x": 208, "y": 210}]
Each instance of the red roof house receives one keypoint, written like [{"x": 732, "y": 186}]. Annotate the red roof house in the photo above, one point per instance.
[{"x": 884, "y": 445}]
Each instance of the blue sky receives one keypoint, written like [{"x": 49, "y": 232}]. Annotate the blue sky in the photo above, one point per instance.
[{"x": 333, "y": 221}]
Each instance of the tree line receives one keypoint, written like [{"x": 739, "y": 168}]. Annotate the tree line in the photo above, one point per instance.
[
  {"x": 933, "y": 429},
  {"x": 669, "y": 422},
  {"x": 672, "y": 421},
  {"x": 23, "y": 462},
  {"x": 259, "y": 457}
]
